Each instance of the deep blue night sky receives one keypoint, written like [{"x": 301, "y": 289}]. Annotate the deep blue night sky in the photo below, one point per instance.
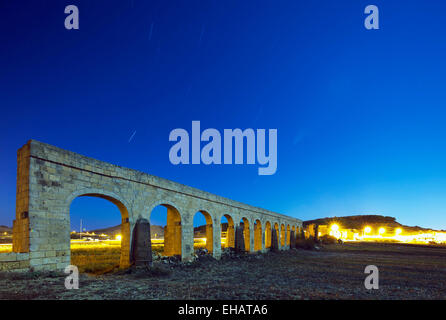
[{"x": 360, "y": 113}]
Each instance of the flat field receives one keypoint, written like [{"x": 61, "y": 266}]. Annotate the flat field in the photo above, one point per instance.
[{"x": 334, "y": 272}]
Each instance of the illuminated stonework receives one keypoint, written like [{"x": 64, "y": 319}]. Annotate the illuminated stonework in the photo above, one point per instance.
[{"x": 49, "y": 179}]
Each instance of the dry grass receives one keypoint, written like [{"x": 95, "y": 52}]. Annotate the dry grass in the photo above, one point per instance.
[
  {"x": 333, "y": 272},
  {"x": 103, "y": 257},
  {"x": 95, "y": 258},
  {"x": 100, "y": 257}
]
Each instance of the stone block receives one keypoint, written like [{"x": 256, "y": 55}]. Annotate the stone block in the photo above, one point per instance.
[
  {"x": 239, "y": 239},
  {"x": 8, "y": 257},
  {"x": 141, "y": 244},
  {"x": 274, "y": 240},
  {"x": 292, "y": 240}
]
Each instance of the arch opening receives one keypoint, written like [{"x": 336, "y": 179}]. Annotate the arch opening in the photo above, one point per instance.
[
  {"x": 282, "y": 235},
  {"x": 244, "y": 223},
  {"x": 227, "y": 232},
  {"x": 288, "y": 235},
  {"x": 298, "y": 232},
  {"x": 203, "y": 231},
  {"x": 100, "y": 233},
  {"x": 268, "y": 235},
  {"x": 165, "y": 230},
  {"x": 257, "y": 235}
]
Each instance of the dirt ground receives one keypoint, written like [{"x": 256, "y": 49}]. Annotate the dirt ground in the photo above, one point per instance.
[{"x": 334, "y": 272}]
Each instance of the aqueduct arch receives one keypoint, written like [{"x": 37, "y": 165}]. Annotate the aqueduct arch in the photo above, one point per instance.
[
  {"x": 258, "y": 236},
  {"x": 246, "y": 233},
  {"x": 282, "y": 235},
  {"x": 268, "y": 235},
  {"x": 125, "y": 226},
  {"x": 209, "y": 230},
  {"x": 172, "y": 232},
  {"x": 230, "y": 232},
  {"x": 50, "y": 178}
]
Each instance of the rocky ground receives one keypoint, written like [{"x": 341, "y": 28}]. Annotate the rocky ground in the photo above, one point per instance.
[{"x": 334, "y": 272}]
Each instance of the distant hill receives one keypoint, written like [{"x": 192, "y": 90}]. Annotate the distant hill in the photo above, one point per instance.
[
  {"x": 114, "y": 231},
  {"x": 201, "y": 230},
  {"x": 4, "y": 229},
  {"x": 5, "y": 238},
  {"x": 155, "y": 231},
  {"x": 360, "y": 221}
]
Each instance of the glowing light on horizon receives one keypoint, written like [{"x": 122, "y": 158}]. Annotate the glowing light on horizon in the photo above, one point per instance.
[{"x": 335, "y": 231}]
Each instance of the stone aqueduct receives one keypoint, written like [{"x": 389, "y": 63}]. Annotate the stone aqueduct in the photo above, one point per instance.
[{"x": 49, "y": 179}]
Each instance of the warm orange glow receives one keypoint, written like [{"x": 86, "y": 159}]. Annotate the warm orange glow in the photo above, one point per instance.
[
  {"x": 119, "y": 237},
  {"x": 367, "y": 230},
  {"x": 200, "y": 240},
  {"x": 5, "y": 247},
  {"x": 381, "y": 230},
  {"x": 335, "y": 231},
  {"x": 398, "y": 231}
]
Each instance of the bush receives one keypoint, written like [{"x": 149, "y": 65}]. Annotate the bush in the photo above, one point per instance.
[
  {"x": 327, "y": 239},
  {"x": 306, "y": 244}
]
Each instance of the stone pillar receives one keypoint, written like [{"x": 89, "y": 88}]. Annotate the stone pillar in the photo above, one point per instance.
[
  {"x": 274, "y": 240},
  {"x": 209, "y": 237},
  {"x": 187, "y": 241},
  {"x": 247, "y": 236},
  {"x": 141, "y": 252},
  {"x": 292, "y": 240},
  {"x": 277, "y": 237},
  {"x": 239, "y": 239},
  {"x": 251, "y": 238},
  {"x": 285, "y": 237},
  {"x": 316, "y": 232},
  {"x": 126, "y": 228},
  {"x": 217, "y": 240}
]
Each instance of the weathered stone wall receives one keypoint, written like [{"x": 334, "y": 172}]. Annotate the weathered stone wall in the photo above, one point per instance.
[
  {"x": 49, "y": 179},
  {"x": 13, "y": 261}
]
